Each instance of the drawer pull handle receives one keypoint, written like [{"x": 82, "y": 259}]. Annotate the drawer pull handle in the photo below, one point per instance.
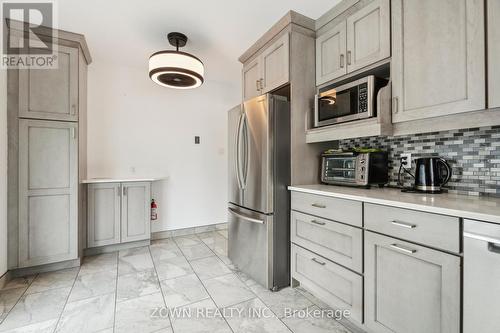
[
  {"x": 318, "y": 205},
  {"x": 318, "y": 262},
  {"x": 403, "y": 249},
  {"x": 404, "y": 225},
  {"x": 318, "y": 222}
]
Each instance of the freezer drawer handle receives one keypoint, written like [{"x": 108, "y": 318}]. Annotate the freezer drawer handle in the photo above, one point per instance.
[
  {"x": 318, "y": 205},
  {"x": 404, "y": 224},
  {"x": 244, "y": 217},
  {"x": 318, "y": 222},
  {"x": 318, "y": 262},
  {"x": 403, "y": 249}
]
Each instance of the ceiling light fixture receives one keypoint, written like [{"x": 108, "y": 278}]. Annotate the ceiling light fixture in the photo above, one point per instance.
[{"x": 176, "y": 69}]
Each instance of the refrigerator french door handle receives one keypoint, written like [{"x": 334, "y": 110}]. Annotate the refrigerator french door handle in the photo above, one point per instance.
[
  {"x": 244, "y": 171},
  {"x": 238, "y": 151},
  {"x": 244, "y": 217}
]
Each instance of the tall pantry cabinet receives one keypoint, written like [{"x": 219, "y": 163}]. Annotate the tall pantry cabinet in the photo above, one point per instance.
[{"x": 47, "y": 157}]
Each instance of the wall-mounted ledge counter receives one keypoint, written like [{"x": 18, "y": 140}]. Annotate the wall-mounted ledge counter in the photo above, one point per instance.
[
  {"x": 470, "y": 207},
  {"x": 120, "y": 180}
]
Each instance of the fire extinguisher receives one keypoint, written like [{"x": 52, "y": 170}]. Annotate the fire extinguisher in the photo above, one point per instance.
[{"x": 154, "y": 208}]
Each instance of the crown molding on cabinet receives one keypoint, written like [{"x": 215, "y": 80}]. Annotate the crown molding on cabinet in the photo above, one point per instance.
[
  {"x": 63, "y": 38},
  {"x": 291, "y": 17}
]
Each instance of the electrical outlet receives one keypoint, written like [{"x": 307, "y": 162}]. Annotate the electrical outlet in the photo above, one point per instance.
[{"x": 406, "y": 160}]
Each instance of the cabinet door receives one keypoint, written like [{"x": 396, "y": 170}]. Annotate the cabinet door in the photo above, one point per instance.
[
  {"x": 438, "y": 60},
  {"x": 251, "y": 77},
  {"x": 410, "y": 288},
  {"x": 368, "y": 35},
  {"x": 493, "y": 8},
  {"x": 274, "y": 64},
  {"x": 136, "y": 199},
  {"x": 330, "y": 54},
  {"x": 48, "y": 181},
  {"x": 103, "y": 218},
  {"x": 51, "y": 93}
]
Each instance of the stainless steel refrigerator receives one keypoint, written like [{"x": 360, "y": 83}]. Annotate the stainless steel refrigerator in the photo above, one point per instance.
[{"x": 259, "y": 173}]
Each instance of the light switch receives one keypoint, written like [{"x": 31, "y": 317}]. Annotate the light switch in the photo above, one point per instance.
[{"x": 197, "y": 140}]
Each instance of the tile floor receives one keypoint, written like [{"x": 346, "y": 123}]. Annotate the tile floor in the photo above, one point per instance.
[{"x": 131, "y": 290}]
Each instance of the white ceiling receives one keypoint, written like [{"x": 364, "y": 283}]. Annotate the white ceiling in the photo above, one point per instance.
[{"x": 126, "y": 32}]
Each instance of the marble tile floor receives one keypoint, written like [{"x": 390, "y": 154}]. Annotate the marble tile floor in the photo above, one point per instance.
[{"x": 182, "y": 284}]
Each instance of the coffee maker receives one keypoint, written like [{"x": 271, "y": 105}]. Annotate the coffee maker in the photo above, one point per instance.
[{"x": 431, "y": 173}]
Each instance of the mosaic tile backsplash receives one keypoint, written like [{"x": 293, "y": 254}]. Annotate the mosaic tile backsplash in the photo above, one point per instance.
[{"x": 473, "y": 154}]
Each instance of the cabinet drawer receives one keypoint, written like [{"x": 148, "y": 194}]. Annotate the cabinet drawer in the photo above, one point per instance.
[
  {"x": 338, "y": 287},
  {"x": 338, "y": 242},
  {"x": 434, "y": 230},
  {"x": 410, "y": 288},
  {"x": 341, "y": 210}
]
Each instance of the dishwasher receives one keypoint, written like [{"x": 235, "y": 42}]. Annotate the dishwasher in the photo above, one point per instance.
[{"x": 481, "y": 290}]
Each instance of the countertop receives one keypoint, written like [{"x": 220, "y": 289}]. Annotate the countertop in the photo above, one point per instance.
[
  {"x": 469, "y": 207},
  {"x": 120, "y": 180}
]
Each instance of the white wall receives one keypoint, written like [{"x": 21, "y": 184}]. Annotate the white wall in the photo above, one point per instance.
[
  {"x": 3, "y": 171},
  {"x": 135, "y": 124}
]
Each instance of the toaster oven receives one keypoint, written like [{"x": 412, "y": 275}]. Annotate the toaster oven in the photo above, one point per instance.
[{"x": 355, "y": 169}]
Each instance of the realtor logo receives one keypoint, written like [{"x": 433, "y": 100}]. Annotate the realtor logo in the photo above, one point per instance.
[{"x": 28, "y": 29}]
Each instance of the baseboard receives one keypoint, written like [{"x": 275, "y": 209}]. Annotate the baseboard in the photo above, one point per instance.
[
  {"x": 5, "y": 278},
  {"x": 188, "y": 231},
  {"x": 115, "y": 247},
  {"x": 26, "y": 271}
]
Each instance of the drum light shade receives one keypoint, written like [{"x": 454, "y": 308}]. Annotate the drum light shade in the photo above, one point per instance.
[{"x": 176, "y": 69}]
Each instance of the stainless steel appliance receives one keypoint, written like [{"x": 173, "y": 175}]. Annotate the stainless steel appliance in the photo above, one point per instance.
[
  {"x": 431, "y": 173},
  {"x": 347, "y": 102},
  {"x": 481, "y": 289},
  {"x": 259, "y": 173},
  {"x": 355, "y": 169}
]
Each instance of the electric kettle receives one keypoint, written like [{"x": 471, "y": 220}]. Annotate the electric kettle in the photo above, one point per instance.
[{"x": 431, "y": 173}]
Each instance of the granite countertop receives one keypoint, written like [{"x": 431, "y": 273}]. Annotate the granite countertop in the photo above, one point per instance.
[
  {"x": 469, "y": 207},
  {"x": 120, "y": 180}
]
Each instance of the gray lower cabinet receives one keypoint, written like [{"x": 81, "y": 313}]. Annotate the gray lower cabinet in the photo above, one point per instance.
[
  {"x": 135, "y": 223},
  {"x": 48, "y": 182},
  {"x": 410, "y": 288},
  {"x": 104, "y": 202},
  {"x": 51, "y": 94},
  {"x": 339, "y": 242},
  {"x": 335, "y": 285},
  {"x": 118, "y": 213}
]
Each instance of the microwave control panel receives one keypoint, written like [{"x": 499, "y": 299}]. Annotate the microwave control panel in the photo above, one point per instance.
[{"x": 363, "y": 98}]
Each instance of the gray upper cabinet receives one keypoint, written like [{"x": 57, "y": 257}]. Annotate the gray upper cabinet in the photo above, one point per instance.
[
  {"x": 251, "y": 79},
  {"x": 360, "y": 40},
  {"x": 135, "y": 223},
  {"x": 441, "y": 75},
  {"x": 268, "y": 70},
  {"x": 330, "y": 54},
  {"x": 493, "y": 7},
  {"x": 48, "y": 180},
  {"x": 51, "y": 93},
  {"x": 410, "y": 288},
  {"x": 368, "y": 35},
  {"x": 104, "y": 204},
  {"x": 275, "y": 64}
]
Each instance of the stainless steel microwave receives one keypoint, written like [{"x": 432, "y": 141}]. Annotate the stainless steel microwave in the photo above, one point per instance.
[
  {"x": 355, "y": 169},
  {"x": 347, "y": 102}
]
